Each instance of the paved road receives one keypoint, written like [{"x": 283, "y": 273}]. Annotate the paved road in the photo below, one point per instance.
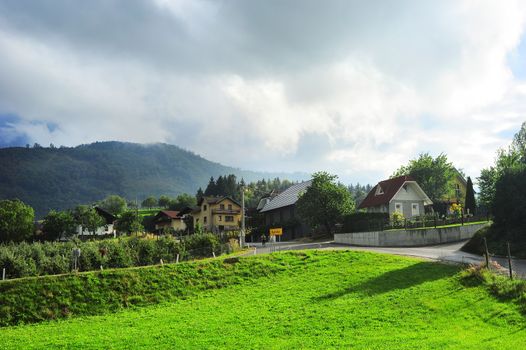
[{"x": 444, "y": 252}]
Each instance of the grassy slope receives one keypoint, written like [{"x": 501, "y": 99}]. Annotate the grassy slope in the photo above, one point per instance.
[{"x": 324, "y": 300}]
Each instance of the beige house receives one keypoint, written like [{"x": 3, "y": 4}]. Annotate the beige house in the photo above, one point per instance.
[
  {"x": 401, "y": 194},
  {"x": 217, "y": 214},
  {"x": 169, "y": 219}
]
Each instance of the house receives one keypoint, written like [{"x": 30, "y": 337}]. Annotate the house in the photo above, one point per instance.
[
  {"x": 217, "y": 214},
  {"x": 169, "y": 219},
  {"x": 108, "y": 227},
  {"x": 280, "y": 211},
  {"x": 401, "y": 194},
  {"x": 456, "y": 195}
]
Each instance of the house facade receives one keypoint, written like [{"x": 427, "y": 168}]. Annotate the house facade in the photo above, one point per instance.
[
  {"x": 107, "y": 229},
  {"x": 401, "y": 194},
  {"x": 217, "y": 214},
  {"x": 169, "y": 219},
  {"x": 280, "y": 212}
]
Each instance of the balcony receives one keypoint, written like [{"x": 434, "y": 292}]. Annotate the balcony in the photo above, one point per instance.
[{"x": 226, "y": 211}]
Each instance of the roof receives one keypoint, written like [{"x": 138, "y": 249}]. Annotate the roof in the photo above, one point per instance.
[
  {"x": 288, "y": 197},
  {"x": 108, "y": 217},
  {"x": 389, "y": 189},
  {"x": 215, "y": 200},
  {"x": 172, "y": 214}
]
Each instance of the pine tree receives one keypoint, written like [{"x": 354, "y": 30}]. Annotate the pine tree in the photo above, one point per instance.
[
  {"x": 211, "y": 189},
  {"x": 199, "y": 194},
  {"x": 470, "y": 205}
]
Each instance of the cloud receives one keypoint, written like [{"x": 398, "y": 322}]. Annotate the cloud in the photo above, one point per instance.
[{"x": 355, "y": 89}]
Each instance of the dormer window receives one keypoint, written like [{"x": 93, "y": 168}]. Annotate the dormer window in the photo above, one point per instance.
[
  {"x": 379, "y": 191},
  {"x": 204, "y": 207}
]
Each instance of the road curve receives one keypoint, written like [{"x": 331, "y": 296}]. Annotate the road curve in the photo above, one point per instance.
[{"x": 449, "y": 252}]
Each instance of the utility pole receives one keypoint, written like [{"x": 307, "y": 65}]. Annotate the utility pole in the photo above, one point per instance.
[{"x": 242, "y": 236}]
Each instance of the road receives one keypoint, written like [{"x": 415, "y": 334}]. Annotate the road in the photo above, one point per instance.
[{"x": 449, "y": 252}]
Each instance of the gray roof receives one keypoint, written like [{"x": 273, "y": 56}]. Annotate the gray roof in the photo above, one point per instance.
[{"x": 287, "y": 197}]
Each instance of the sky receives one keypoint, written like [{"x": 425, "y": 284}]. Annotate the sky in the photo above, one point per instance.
[{"x": 355, "y": 88}]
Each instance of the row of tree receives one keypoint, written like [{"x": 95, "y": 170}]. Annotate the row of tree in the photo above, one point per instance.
[
  {"x": 228, "y": 185},
  {"x": 502, "y": 188}
]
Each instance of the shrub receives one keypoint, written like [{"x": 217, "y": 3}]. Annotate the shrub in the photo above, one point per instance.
[
  {"x": 201, "y": 245},
  {"x": 362, "y": 222}
]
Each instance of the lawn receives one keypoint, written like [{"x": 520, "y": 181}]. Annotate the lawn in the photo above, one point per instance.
[{"x": 329, "y": 299}]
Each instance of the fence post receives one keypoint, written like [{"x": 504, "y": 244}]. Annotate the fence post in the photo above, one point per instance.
[
  {"x": 509, "y": 260},
  {"x": 214, "y": 253},
  {"x": 486, "y": 252},
  {"x": 177, "y": 259},
  {"x": 3, "y": 274}
]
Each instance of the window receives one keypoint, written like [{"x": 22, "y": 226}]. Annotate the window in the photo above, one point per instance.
[
  {"x": 221, "y": 206},
  {"x": 230, "y": 207},
  {"x": 399, "y": 208},
  {"x": 379, "y": 191},
  {"x": 204, "y": 219},
  {"x": 229, "y": 218},
  {"x": 220, "y": 218},
  {"x": 415, "y": 209},
  {"x": 204, "y": 207}
]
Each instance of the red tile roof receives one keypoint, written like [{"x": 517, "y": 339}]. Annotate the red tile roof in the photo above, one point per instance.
[
  {"x": 389, "y": 187},
  {"x": 172, "y": 214}
]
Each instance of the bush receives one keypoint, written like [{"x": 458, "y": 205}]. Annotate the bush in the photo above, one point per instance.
[
  {"x": 201, "y": 245},
  {"x": 36, "y": 259},
  {"x": 363, "y": 222}
]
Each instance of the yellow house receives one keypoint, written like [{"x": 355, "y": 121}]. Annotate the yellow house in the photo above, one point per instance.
[
  {"x": 169, "y": 219},
  {"x": 217, "y": 214},
  {"x": 458, "y": 192}
]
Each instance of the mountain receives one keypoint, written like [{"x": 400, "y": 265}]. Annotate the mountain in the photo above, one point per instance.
[{"x": 60, "y": 178}]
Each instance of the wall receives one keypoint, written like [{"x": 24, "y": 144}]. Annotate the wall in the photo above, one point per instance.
[{"x": 409, "y": 238}]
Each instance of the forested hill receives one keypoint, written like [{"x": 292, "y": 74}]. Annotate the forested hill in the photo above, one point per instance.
[{"x": 60, "y": 178}]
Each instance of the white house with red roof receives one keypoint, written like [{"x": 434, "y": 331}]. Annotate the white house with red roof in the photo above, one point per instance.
[{"x": 400, "y": 194}]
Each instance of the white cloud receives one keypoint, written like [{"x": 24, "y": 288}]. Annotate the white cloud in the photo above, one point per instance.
[{"x": 354, "y": 89}]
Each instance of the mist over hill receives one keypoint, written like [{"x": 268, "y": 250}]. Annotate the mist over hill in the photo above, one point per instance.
[{"x": 60, "y": 178}]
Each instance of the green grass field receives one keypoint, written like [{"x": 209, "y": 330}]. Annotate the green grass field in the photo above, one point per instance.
[{"x": 322, "y": 300}]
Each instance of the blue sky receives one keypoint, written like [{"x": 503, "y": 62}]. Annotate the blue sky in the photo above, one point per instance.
[{"x": 353, "y": 88}]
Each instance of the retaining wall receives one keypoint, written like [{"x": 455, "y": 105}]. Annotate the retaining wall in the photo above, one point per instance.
[{"x": 409, "y": 238}]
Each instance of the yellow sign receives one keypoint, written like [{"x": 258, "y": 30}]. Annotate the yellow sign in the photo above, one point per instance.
[{"x": 276, "y": 231}]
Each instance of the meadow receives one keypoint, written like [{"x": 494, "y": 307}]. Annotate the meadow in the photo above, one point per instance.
[{"x": 311, "y": 299}]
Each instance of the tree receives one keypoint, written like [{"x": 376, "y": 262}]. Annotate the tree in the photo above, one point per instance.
[
  {"x": 200, "y": 194},
  {"x": 58, "y": 224},
  {"x": 211, "y": 188},
  {"x": 88, "y": 218},
  {"x": 16, "y": 221},
  {"x": 470, "y": 205},
  {"x": 164, "y": 201},
  {"x": 509, "y": 207},
  {"x": 507, "y": 159},
  {"x": 324, "y": 202},
  {"x": 128, "y": 223},
  {"x": 149, "y": 202},
  {"x": 182, "y": 201},
  {"x": 434, "y": 175},
  {"x": 114, "y": 204}
]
